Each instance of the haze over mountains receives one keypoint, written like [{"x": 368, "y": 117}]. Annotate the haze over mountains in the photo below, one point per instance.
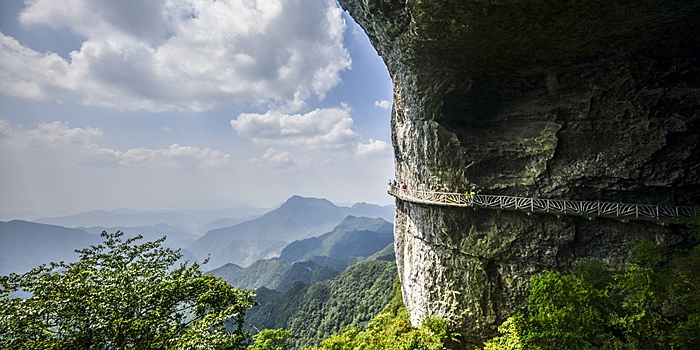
[
  {"x": 266, "y": 236},
  {"x": 177, "y": 238},
  {"x": 196, "y": 222},
  {"x": 24, "y": 245},
  {"x": 353, "y": 237},
  {"x": 330, "y": 269}
]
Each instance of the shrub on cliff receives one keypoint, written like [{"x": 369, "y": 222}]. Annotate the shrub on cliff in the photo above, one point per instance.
[
  {"x": 121, "y": 295},
  {"x": 654, "y": 303}
]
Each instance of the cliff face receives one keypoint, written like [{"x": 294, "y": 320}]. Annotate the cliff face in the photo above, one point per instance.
[{"x": 584, "y": 100}]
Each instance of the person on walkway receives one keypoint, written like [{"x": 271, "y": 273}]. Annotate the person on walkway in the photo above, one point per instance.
[{"x": 403, "y": 186}]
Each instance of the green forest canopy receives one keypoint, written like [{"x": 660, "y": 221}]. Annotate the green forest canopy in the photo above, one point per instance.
[{"x": 122, "y": 295}]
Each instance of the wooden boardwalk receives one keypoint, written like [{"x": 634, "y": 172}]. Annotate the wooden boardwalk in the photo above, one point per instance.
[{"x": 620, "y": 211}]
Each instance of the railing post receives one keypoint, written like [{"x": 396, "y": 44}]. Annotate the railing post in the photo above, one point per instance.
[{"x": 636, "y": 211}]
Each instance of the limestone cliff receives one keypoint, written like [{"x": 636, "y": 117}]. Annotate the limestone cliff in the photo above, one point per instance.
[{"x": 576, "y": 99}]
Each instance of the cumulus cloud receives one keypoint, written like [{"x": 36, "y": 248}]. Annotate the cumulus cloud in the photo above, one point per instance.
[
  {"x": 373, "y": 149},
  {"x": 329, "y": 128},
  {"x": 79, "y": 145},
  {"x": 277, "y": 158},
  {"x": 383, "y": 104},
  {"x": 181, "y": 54}
]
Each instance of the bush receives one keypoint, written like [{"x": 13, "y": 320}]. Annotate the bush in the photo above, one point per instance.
[{"x": 654, "y": 303}]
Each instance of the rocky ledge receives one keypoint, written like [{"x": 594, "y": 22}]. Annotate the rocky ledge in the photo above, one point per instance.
[{"x": 593, "y": 100}]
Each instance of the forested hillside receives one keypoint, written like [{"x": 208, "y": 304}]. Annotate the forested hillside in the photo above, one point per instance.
[
  {"x": 314, "y": 312},
  {"x": 316, "y": 259},
  {"x": 273, "y": 274},
  {"x": 391, "y": 329}
]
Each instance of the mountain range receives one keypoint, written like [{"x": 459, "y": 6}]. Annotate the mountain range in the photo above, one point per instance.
[
  {"x": 316, "y": 259},
  {"x": 25, "y": 245},
  {"x": 176, "y": 238},
  {"x": 194, "y": 221},
  {"x": 265, "y": 237},
  {"x": 321, "y": 284},
  {"x": 353, "y": 237},
  {"x": 273, "y": 274}
]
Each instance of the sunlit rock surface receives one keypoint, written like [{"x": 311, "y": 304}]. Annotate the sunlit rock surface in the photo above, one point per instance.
[{"x": 582, "y": 100}]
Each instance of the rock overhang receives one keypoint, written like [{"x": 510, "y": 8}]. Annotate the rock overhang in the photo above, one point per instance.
[{"x": 582, "y": 100}]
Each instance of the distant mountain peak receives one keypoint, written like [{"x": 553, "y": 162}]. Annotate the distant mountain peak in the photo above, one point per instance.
[{"x": 297, "y": 199}]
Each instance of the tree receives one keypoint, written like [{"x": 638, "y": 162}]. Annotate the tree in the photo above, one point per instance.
[
  {"x": 271, "y": 339},
  {"x": 121, "y": 295}
]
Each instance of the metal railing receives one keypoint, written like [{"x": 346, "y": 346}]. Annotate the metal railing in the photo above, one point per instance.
[{"x": 621, "y": 211}]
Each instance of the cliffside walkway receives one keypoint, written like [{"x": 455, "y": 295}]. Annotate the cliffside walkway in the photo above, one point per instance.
[{"x": 621, "y": 211}]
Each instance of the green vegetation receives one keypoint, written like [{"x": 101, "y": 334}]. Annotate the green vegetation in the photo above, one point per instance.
[
  {"x": 271, "y": 339},
  {"x": 654, "y": 303},
  {"x": 391, "y": 330},
  {"x": 273, "y": 273},
  {"x": 314, "y": 312},
  {"x": 125, "y": 296}
]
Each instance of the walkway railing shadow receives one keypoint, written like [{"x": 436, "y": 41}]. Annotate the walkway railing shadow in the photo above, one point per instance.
[{"x": 621, "y": 211}]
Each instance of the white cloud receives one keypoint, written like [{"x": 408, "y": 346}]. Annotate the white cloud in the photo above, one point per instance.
[
  {"x": 277, "y": 158},
  {"x": 54, "y": 134},
  {"x": 181, "y": 54},
  {"x": 330, "y": 128},
  {"x": 383, "y": 104},
  {"x": 373, "y": 149},
  {"x": 175, "y": 156},
  {"x": 49, "y": 142}
]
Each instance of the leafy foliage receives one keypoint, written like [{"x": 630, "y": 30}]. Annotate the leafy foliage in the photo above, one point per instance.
[
  {"x": 391, "y": 329},
  {"x": 122, "y": 295},
  {"x": 654, "y": 303},
  {"x": 271, "y": 339}
]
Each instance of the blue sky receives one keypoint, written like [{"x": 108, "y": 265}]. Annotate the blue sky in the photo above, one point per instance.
[{"x": 188, "y": 104}]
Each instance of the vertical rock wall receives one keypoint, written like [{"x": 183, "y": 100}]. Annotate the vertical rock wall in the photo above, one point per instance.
[{"x": 582, "y": 100}]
